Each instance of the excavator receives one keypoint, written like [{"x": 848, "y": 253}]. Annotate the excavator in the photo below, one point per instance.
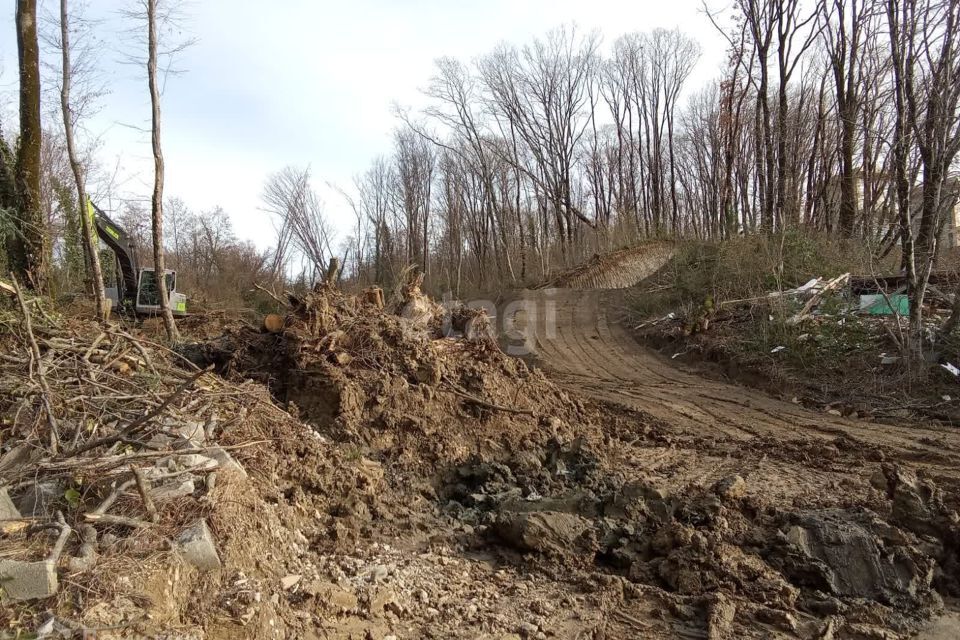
[{"x": 136, "y": 291}]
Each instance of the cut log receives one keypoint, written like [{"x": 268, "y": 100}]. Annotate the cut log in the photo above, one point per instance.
[{"x": 273, "y": 323}]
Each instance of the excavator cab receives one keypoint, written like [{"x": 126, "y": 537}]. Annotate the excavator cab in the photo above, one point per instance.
[
  {"x": 136, "y": 291},
  {"x": 148, "y": 294}
]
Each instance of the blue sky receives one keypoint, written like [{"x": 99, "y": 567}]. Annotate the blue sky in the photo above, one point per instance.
[{"x": 282, "y": 82}]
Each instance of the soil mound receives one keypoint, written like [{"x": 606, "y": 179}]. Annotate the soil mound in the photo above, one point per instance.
[
  {"x": 617, "y": 270},
  {"x": 424, "y": 386}
]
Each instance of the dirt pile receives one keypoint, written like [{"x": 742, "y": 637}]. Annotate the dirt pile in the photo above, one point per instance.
[
  {"x": 441, "y": 489},
  {"x": 616, "y": 270},
  {"x": 423, "y": 386},
  {"x": 797, "y": 572},
  {"x": 499, "y": 462}
]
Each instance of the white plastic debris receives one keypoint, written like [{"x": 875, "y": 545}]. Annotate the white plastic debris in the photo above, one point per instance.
[
  {"x": 952, "y": 369},
  {"x": 801, "y": 289},
  {"x": 778, "y": 349}
]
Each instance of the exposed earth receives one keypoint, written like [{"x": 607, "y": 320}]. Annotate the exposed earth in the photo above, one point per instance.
[{"x": 415, "y": 486}]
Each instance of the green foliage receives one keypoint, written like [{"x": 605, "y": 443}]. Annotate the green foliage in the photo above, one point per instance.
[
  {"x": 71, "y": 267},
  {"x": 72, "y": 496},
  {"x": 834, "y": 343}
]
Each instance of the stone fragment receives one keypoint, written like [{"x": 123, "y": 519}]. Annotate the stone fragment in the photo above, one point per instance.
[
  {"x": 847, "y": 558},
  {"x": 174, "y": 490},
  {"x": 196, "y": 461},
  {"x": 335, "y": 597},
  {"x": 290, "y": 581},
  {"x": 27, "y": 580},
  {"x": 227, "y": 462},
  {"x": 8, "y": 511},
  {"x": 197, "y": 547},
  {"x": 731, "y": 488},
  {"x": 541, "y": 531}
]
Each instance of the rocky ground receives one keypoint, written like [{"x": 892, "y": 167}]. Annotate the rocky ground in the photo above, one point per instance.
[{"x": 381, "y": 473}]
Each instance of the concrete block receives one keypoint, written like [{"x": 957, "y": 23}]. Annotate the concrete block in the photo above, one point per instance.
[
  {"x": 8, "y": 511},
  {"x": 197, "y": 546},
  {"x": 196, "y": 461},
  {"x": 227, "y": 462},
  {"x": 27, "y": 580},
  {"x": 172, "y": 490}
]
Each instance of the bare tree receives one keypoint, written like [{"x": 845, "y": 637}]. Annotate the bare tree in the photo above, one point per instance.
[
  {"x": 70, "y": 115},
  {"x": 760, "y": 18},
  {"x": 290, "y": 196},
  {"x": 925, "y": 52},
  {"x": 797, "y": 30},
  {"x": 541, "y": 93},
  {"x": 415, "y": 160},
  {"x": 156, "y": 201},
  {"x": 843, "y": 29}
]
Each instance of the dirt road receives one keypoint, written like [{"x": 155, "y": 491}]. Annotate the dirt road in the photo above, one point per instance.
[{"x": 591, "y": 352}]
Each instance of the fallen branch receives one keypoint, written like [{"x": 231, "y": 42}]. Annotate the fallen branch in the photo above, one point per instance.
[
  {"x": 35, "y": 355},
  {"x": 63, "y": 466},
  {"x": 139, "y": 347},
  {"x": 8, "y": 288},
  {"x": 65, "y": 530},
  {"x": 270, "y": 293},
  {"x": 93, "y": 347},
  {"x": 130, "y": 429},
  {"x": 110, "y": 499},
  {"x": 816, "y": 298},
  {"x": 119, "y": 520},
  {"x": 455, "y": 390},
  {"x": 145, "y": 494}
]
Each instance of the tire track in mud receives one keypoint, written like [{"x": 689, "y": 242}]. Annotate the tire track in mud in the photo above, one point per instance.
[
  {"x": 704, "y": 430},
  {"x": 589, "y": 352}
]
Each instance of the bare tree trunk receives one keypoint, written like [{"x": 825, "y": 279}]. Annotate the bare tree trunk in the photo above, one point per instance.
[
  {"x": 28, "y": 246},
  {"x": 89, "y": 240},
  {"x": 156, "y": 208}
]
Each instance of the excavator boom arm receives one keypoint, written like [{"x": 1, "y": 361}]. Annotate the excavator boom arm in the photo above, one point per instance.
[{"x": 114, "y": 236}]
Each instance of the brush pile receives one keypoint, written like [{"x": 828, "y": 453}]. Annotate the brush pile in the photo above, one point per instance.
[
  {"x": 108, "y": 445},
  {"x": 135, "y": 487}
]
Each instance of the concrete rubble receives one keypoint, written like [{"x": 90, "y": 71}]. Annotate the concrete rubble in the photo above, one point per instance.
[
  {"x": 8, "y": 511},
  {"x": 21, "y": 580},
  {"x": 197, "y": 547}
]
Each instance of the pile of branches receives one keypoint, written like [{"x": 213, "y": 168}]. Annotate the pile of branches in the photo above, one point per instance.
[{"x": 101, "y": 432}]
